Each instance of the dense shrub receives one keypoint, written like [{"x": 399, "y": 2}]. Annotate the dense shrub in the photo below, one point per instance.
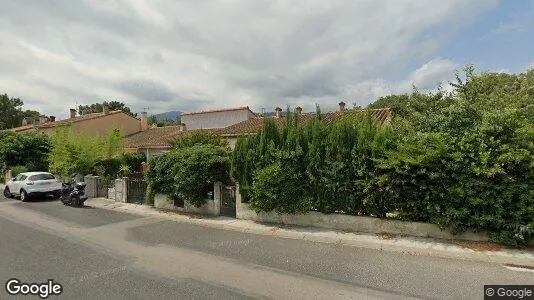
[
  {"x": 189, "y": 173},
  {"x": 132, "y": 161},
  {"x": 462, "y": 160},
  {"x": 76, "y": 154},
  {"x": 199, "y": 137},
  {"x": 29, "y": 150},
  {"x": 16, "y": 170}
]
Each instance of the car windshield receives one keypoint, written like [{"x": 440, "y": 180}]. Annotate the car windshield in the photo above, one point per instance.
[{"x": 42, "y": 177}]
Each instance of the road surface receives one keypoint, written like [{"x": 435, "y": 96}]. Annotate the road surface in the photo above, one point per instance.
[{"x": 102, "y": 254}]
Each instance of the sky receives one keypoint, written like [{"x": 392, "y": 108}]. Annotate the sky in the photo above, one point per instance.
[{"x": 190, "y": 55}]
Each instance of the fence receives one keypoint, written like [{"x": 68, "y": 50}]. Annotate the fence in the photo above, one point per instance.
[
  {"x": 136, "y": 190},
  {"x": 221, "y": 203}
]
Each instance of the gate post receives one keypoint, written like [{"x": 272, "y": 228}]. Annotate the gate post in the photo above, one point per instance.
[
  {"x": 217, "y": 194},
  {"x": 125, "y": 190},
  {"x": 8, "y": 176},
  {"x": 91, "y": 188}
]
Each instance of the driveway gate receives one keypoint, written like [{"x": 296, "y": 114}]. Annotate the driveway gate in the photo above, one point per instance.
[
  {"x": 136, "y": 190},
  {"x": 103, "y": 186},
  {"x": 228, "y": 201}
]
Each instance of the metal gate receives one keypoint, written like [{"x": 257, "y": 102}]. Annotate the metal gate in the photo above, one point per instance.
[
  {"x": 136, "y": 190},
  {"x": 103, "y": 186},
  {"x": 228, "y": 201}
]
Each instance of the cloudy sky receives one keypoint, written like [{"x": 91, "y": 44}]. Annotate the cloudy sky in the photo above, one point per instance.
[{"x": 201, "y": 54}]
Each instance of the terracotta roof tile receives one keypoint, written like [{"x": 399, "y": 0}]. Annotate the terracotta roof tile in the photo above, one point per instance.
[
  {"x": 218, "y": 110},
  {"x": 65, "y": 121},
  {"x": 254, "y": 125},
  {"x": 158, "y": 137}
]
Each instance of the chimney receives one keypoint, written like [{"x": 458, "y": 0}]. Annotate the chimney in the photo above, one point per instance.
[
  {"x": 105, "y": 109},
  {"x": 299, "y": 110},
  {"x": 278, "y": 112},
  {"x": 72, "y": 113},
  {"x": 144, "y": 121},
  {"x": 182, "y": 127},
  {"x": 24, "y": 122},
  {"x": 341, "y": 106},
  {"x": 52, "y": 119}
]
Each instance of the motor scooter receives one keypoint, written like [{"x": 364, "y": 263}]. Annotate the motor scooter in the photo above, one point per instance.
[{"x": 73, "y": 193}]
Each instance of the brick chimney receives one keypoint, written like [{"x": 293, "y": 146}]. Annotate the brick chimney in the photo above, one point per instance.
[
  {"x": 105, "y": 109},
  {"x": 183, "y": 127},
  {"x": 278, "y": 111},
  {"x": 24, "y": 122},
  {"x": 72, "y": 113},
  {"x": 52, "y": 119},
  {"x": 298, "y": 110},
  {"x": 144, "y": 121},
  {"x": 341, "y": 106}
]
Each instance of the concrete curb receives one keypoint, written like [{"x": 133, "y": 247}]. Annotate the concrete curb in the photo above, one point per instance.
[{"x": 405, "y": 245}]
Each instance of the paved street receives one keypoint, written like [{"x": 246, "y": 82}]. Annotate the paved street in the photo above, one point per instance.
[{"x": 102, "y": 254}]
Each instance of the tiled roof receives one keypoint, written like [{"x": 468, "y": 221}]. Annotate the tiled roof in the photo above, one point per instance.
[
  {"x": 65, "y": 122},
  {"x": 158, "y": 137},
  {"x": 254, "y": 125},
  {"x": 218, "y": 110}
]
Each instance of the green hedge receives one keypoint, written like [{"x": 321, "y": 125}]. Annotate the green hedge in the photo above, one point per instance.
[
  {"x": 463, "y": 161},
  {"x": 189, "y": 173}
]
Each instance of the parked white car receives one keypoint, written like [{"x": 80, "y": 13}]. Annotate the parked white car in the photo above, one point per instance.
[{"x": 26, "y": 185}]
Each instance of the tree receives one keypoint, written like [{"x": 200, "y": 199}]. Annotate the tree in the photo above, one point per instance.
[
  {"x": 98, "y": 107},
  {"x": 29, "y": 150},
  {"x": 11, "y": 109},
  {"x": 74, "y": 154},
  {"x": 163, "y": 123}
]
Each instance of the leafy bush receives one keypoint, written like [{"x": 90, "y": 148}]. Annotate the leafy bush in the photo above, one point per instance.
[
  {"x": 29, "y": 149},
  {"x": 462, "y": 160},
  {"x": 16, "y": 170},
  {"x": 108, "y": 167},
  {"x": 133, "y": 161},
  {"x": 75, "y": 154},
  {"x": 200, "y": 137},
  {"x": 189, "y": 173}
]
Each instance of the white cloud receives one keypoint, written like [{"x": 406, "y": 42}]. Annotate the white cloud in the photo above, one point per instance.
[{"x": 188, "y": 55}]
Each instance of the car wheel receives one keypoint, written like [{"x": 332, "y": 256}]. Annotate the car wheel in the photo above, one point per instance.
[
  {"x": 7, "y": 193},
  {"x": 23, "y": 196}
]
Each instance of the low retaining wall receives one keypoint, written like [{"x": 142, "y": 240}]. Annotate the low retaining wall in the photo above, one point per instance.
[
  {"x": 352, "y": 223},
  {"x": 211, "y": 208}
]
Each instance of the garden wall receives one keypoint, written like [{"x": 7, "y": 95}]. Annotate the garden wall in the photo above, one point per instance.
[
  {"x": 211, "y": 208},
  {"x": 351, "y": 223}
]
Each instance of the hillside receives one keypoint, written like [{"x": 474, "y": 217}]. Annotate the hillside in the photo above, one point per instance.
[{"x": 167, "y": 116}]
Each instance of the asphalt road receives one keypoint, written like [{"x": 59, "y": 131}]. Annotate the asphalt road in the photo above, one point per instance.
[{"x": 101, "y": 254}]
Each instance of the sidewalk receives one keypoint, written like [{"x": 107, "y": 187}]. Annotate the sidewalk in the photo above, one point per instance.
[{"x": 406, "y": 245}]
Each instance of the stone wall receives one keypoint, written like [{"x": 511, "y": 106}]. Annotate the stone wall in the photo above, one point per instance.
[
  {"x": 91, "y": 186},
  {"x": 351, "y": 223},
  {"x": 7, "y": 176},
  {"x": 120, "y": 190}
]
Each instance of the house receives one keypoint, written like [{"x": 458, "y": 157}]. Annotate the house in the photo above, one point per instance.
[
  {"x": 95, "y": 123},
  {"x": 216, "y": 118},
  {"x": 157, "y": 140},
  {"x": 254, "y": 125}
]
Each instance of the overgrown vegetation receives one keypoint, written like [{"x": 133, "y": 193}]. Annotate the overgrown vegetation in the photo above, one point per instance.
[
  {"x": 199, "y": 137},
  {"x": 191, "y": 168},
  {"x": 74, "y": 154},
  {"x": 28, "y": 150},
  {"x": 462, "y": 160}
]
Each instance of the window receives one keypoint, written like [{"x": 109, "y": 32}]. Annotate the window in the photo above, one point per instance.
[{"x": 42, "y": 177}]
